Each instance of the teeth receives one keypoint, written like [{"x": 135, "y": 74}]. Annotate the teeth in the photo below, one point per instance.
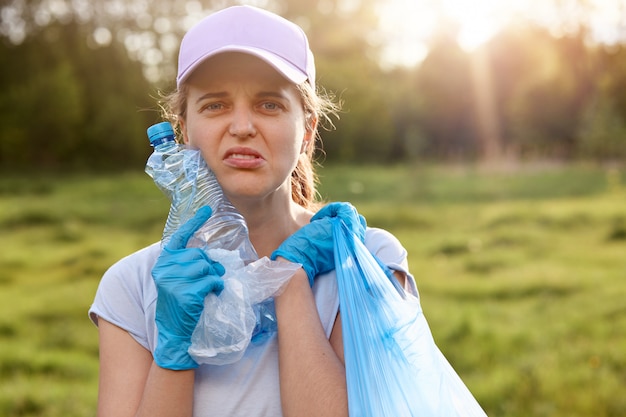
[{"x": 242, "y": 156}]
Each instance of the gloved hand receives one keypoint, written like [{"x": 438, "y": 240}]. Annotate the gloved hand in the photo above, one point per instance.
[
  {"x": 312, "y": 246},
  {"x": 183, "y": 278}
]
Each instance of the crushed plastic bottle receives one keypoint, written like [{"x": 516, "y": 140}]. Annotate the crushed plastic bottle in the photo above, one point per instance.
[{"x": 183, "y": 176}]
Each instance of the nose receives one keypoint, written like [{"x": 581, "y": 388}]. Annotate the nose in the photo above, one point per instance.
[{"x": 242, "y": 124}]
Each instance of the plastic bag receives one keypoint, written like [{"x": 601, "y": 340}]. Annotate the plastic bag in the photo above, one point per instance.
[
  {"x": 393, "y": 367},
  {"x": 243, "y": 312}
]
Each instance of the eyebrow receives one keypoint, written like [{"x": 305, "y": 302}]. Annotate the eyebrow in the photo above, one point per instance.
[
  {"x": 211, "y": 95},
  {"x": 271, "y": 94}
]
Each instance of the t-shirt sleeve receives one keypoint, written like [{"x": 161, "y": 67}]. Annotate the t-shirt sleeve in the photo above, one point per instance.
[
  {"x": 388, "y": 249},
  {"x": 125, "y": 294}
]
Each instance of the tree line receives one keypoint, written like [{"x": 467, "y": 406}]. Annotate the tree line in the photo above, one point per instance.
[{"x": 70, "y": 102}]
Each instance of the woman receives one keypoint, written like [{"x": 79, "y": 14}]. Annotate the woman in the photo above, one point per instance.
[{"x": 246, "y": 98}]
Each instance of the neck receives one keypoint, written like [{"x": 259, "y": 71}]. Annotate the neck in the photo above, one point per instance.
[{"x": 271, "y": 222}]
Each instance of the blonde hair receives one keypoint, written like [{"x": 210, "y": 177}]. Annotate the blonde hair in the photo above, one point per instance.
[{"x": 319, "y": 108}]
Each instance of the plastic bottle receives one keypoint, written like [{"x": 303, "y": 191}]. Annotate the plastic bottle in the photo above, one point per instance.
[{"x": 182, "y": 174}]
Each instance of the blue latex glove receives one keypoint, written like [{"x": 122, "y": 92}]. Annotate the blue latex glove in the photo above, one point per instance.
[
  {"x": 183, "y": 278},
  {"x": 312, "y": 246}
]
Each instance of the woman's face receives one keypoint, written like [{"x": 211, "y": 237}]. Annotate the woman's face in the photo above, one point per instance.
[{"x": 248, "y": 122}]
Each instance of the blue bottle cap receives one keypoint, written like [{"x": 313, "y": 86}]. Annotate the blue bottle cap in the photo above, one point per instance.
[{"x": 160, "y": 132}]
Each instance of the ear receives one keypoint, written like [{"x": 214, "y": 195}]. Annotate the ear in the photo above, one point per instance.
[
  {"x": 309, "y": 134},
  {"x": 183, "y": 130}
]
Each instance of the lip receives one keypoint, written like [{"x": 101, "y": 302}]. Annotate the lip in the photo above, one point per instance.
[{"x": 243, "y": 158}]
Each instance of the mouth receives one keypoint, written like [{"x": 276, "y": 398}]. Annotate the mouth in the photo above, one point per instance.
[{"x": 243, "y": 158}]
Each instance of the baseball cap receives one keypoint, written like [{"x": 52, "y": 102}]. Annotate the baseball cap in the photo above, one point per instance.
[{"x": 251, "y": 30}]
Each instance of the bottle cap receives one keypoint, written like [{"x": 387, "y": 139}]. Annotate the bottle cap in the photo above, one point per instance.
[{"x": 160, "y": 132}]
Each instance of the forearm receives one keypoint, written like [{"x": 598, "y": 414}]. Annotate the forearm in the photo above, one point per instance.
[
  {"x": 312, "y": 377},
  {"x": 167, "y": 393}
]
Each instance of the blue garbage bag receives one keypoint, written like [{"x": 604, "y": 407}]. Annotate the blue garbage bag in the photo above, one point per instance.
[{"x": 393, "y": 366}]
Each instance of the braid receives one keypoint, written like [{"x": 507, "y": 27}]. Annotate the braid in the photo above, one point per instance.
[{"x": 303, "y": 182}]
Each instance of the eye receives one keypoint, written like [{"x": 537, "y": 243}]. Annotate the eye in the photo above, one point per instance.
[
  {"x": 272, "y": 107},
  {"x": 215, "y": 106},
  {"x": 268, "y": 105}
]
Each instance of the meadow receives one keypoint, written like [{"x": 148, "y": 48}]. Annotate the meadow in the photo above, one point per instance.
[{"x": 522, "y": 275}]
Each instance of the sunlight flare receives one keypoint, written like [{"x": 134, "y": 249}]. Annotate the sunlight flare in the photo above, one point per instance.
[{"x": 407, "y": 26}]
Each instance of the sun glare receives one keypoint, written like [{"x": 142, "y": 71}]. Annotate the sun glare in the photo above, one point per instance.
[
  {"x": 408, "y": 25},
  {"x": 478, "y": 20}
]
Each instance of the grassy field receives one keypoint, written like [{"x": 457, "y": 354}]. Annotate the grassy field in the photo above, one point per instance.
[{"x": 522, "y": 276}]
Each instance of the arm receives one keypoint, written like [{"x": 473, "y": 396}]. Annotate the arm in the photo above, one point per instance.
[
  {"x": 132, "y": 385},
  {"x": 312, "y": 375},
  {"x": 136, "y": 382}
]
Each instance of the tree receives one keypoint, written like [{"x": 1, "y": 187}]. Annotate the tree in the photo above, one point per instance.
[
  {"x": 80, "y": 112},
  {"x": 446, "y": 115},
  {"x": 347, "y": 66},
  {"x": 542, "y": 84},
  {"x": 602, "y": 131}
]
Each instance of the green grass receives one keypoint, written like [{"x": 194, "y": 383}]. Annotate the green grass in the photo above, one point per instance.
[
  {"x": 522, "y": 276},
  {"x": 57, "y": 237}
]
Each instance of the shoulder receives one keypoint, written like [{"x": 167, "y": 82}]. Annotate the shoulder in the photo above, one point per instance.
[
  {"x": 388, "y": 249},
  {"x": 137, "y": 262},
  {"x": 385, "y": 245},
  {"x": 126, "y": 286},
  {"x": 132, "y": 275}
]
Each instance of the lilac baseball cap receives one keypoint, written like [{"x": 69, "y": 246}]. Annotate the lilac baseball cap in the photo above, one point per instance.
[{"x": 251, "y": 30}]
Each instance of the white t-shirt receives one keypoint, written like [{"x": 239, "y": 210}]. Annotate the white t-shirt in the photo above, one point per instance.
[{"x": 127, "y": 296}]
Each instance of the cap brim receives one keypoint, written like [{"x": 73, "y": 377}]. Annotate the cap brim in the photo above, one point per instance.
[{"x": 289, "y": 71}]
